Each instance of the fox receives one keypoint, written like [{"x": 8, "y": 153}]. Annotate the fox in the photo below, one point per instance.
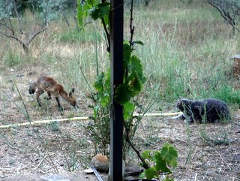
[{"x": 49, "y": 85}]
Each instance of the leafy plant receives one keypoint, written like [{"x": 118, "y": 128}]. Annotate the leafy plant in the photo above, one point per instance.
[
  {"x": 220, "y": 138},
  {"x": 160, "y": 161},
  {"x": 133, "y": 81},
  {"x": 98, "y": 10},
  {"x": 99, "y": 129}
]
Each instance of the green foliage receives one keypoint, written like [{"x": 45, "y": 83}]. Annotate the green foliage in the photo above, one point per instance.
[
  {"x": 102, "y": 86},
  {"x": 51, "y": 9},
  {"x": 128, "y": 110},
  {"x": 133, "y": 80},
  {"x": 84, "y": 8},
  {"x": 228, "y": 94},
  {"x": 132, "y": 85},
  {"x": 133, "y": 76},
  {"x": 6, "y": 9},
  {"x": 99, "y": 128},
  {"x": 101, "y": 11},
  {"x": 161, "y": 162},
  {"x": 219, "y": 138}
]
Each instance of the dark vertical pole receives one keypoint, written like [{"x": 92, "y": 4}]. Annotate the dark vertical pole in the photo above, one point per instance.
[{"x": 116, "y": 47}]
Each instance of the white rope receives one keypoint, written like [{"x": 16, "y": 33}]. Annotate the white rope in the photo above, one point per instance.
[{"x": 40, "y": 122}]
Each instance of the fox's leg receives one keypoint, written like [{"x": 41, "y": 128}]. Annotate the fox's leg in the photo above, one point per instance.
[
  {"x": 59, "y": 105},
  {"x": 38, "y": 93},
  {"x": 49, "y": 95}
]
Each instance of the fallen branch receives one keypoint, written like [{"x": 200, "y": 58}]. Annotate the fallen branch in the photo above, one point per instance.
[{"x": 40, "y": 122}]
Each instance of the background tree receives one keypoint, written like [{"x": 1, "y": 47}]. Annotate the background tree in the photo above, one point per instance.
[
  {"x": 37, "y": 14},
  {"x": 229, "y": 10}
]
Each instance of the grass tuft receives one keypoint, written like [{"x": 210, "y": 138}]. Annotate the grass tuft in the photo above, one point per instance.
[{"x": 74, "y": 36}]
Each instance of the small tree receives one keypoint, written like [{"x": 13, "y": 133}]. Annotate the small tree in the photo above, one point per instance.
[
  {"x": 229, "y": 10},
  {"x": 13, "y": 24}
]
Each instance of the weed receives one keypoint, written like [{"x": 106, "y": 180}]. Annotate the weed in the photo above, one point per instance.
[
  {"x": 228, "y": 94},
  {"x": 189, "y": 145},
  {"x": 73, "y": 36},
  {"x": 220, "y": 138},
  {"x": 54, "y": 126},
  {"x": 12, "y": 59}
]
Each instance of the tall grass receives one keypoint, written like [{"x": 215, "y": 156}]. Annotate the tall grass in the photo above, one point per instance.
[
  {"x": 186, "y": 56},
  {"x": 186, "y": 52}
]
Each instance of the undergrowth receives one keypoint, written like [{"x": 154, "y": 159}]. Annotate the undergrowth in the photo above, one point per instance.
[{"x": 186, "y": 53}]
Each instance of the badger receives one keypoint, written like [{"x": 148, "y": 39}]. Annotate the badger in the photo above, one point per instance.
[{"x": 204, "y": 111}]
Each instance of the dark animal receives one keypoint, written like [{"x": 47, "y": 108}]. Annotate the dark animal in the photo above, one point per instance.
[{"x": 207, "y": 110}]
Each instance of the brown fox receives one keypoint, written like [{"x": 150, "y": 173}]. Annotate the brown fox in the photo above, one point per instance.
[{"x": 49, "y": 85}]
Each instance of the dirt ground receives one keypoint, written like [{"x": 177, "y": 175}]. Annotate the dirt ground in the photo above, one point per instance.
[{"x": 206, "y": 151}]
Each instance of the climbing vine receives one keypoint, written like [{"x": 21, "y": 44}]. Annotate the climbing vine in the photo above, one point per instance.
[
  {"x": 133, "y": 79},
  {"x": 126, "y": 93}
]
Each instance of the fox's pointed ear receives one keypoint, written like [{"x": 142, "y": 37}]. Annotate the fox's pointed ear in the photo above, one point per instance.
[{"x": 71, "y": 92}]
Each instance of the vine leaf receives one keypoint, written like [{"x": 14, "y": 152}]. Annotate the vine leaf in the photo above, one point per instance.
[
  {"x": 135, "y": 67},
  {"x": 101, "y": 11},
  {"x": 122, "y": 94},
  {"x": 161, "y": 164},
  {"x": 147, "y": 155},
  {"x": 98, "y": 85},
  {"x": 169, "y": 154},
  {"x": 128, "y": 110},
  {"x": 150, "y": 173},
  {"x": 126, "y": 54},
  {"x": 82, "y": 12},
  {"x": 83, "y": 9},
  {"x": 161, "y": 161}
]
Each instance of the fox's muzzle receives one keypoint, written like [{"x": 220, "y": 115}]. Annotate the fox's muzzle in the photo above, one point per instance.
[{"x": 31, "y": 91}]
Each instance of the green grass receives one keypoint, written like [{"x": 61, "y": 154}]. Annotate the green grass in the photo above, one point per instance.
[
  {"x": 73, "y": 36},
  {"x": 12, "y": 59},
  {"x": 227, "y": 93},
  {"x": 186, "y": 52}
]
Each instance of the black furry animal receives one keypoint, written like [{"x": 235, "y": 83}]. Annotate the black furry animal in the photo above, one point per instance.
[{"x": 207, "y": 110}]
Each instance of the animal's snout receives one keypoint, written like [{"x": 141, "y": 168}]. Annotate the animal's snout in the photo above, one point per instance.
[{"x": 31, "y": 91}]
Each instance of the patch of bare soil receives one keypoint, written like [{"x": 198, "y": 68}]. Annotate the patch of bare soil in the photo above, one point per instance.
[{"x": 206, "y": 151}]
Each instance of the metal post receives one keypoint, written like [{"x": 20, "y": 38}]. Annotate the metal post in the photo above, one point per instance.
[{"x": 116, "y": 125}]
